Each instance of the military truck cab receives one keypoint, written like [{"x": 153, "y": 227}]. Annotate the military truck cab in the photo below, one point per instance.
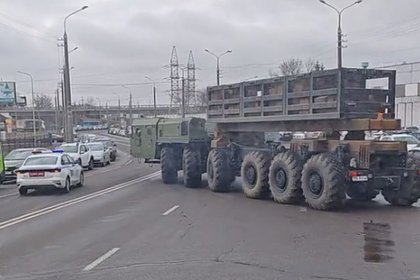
[{"x": 177, "y": 144}]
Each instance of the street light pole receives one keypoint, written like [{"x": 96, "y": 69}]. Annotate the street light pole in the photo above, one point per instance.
[
  {"x": 68, "y": 116},
  {"x": 119, "y": 108},
  {"x": 33, "y": 104},
  {"x": 218, "y": 63},
  {"x": 339, "y": 32},
  {"x": 130, "y": 105},
  {"x": 154, "y": 95}
]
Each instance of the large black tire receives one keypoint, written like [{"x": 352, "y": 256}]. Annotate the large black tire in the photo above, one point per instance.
[
  {"x": 191, "y": 167},
  {"x": 67, "y": 186},
  {"x": 284, "y": 178},
  {"x": 323, "y": 182},
  {"x": 91, "y": 163},
  {"x": 409, "y": 191},
  {"x": 254, "y": 173},
  {"x": 361, "y": 192},
  {"x": 219, "y": 173},
  {"x": 23, "y": 191},
  {"x": 168, "y": 166}
]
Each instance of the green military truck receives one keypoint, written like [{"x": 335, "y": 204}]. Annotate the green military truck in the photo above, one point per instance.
[
  {"x": 323, "y": 172},
  {"x": 177, "y": 144}
]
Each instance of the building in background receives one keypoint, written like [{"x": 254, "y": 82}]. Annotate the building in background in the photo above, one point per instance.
[{"x": 407, "y": 104}]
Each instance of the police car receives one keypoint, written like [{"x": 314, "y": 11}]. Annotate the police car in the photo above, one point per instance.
[{"x": 56, "y": 169}]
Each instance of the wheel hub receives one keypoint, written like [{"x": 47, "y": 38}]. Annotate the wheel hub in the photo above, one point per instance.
[
  {"x": 251, "y": 175},
  {"x": 316, "y": 185},
  {"x": 281, "y": 179}
]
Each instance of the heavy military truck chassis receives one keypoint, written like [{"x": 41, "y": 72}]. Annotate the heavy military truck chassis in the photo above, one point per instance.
[
  {"x": 190, "y": 158},
  {"x": 321, "y": 172}
]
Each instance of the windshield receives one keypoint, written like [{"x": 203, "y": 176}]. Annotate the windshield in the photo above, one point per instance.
[
  {"x": 18, "y": 154},
  {"x": 407, "y": 138},
  {"x": 96, "y": 147},
  {"x": 69, "y": 148},
  {"x": 47, "y": 160}
]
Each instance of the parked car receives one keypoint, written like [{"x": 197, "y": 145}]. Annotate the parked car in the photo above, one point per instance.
[
  {"x": 80, "y": 153},
  {"x": 299, "y": 135},
  {"x": 15, "y": 159},
  {"x": 416, "y": 134},
  {"x": 122, "y": 132},
  {"x": 412, "y": 128},
  {"x": 101, "y": 153},
  {"x": 43, "y": 170},
  {"x": 412, "y": 142},
  {"x": 110, "y": 144},
  {"x": 113, "y": 130},
  {"x": 57, "y": 138}
]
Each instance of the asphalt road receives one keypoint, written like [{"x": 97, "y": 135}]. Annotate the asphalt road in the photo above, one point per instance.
[{"x": 111, "y": 229}]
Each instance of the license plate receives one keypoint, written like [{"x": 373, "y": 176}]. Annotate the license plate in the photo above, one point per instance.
[
  {"x": 36, "y": 174},
  {"x": 359, "y": 178}
]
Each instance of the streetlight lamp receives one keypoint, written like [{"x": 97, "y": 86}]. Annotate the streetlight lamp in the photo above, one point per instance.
[
  {"x": 339, "y": 34},
  {"x": 154, "y": 94},
  {"x": 218, "y": 62},
  {"x": 130, "y": 104},
  {"x": 33, "y": 103},
  {"x": 74, "y": 49},
  {"x": 68, "y": 125}
]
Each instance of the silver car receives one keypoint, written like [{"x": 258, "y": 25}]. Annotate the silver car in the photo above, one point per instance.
[{"x": 101, "y": 153}]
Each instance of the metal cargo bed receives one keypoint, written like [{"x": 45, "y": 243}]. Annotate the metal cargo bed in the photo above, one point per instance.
[{"x": 326, "y": 96}]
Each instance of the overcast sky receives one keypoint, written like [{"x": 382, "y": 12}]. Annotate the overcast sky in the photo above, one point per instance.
[{"x": 121, "y": 41}]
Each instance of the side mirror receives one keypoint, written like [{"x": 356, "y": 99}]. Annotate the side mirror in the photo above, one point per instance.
[
  {"x": 82, "y": 152},
  {"x": 115, "y": 145}
]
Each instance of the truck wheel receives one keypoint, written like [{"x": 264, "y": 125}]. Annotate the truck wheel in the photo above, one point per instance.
[
  {"x": 254, "y": 173},
  {"x": 323, "y": 182},
  {"x": 409, "y": 191},
  {"x": 218, "y": 171},
  {"x": 361, "y": 193},
  {"x": 191, "y": 168},
  {"x": 284, "y": 178},
  {"x": 23, "y": 191},
  {"x": 168, "y": 166}
]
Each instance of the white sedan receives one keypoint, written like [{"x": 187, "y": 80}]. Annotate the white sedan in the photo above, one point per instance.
[
  {"x": 101, "y": 153},
  {"x": 412, "y": 142},
  {"x": 56, "y": 169}
]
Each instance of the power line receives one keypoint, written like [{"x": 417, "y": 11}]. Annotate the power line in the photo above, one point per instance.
[{"x": 119, "y": 84}]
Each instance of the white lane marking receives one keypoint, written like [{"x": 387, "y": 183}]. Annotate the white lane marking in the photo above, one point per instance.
[
  {"x": 128, "y": 162},
  {"x": 96, "y": 262},
  {"x": 169, "y": 211},
  {"x": 53, "y": 208},
  {"x": 7, "y": 195}
]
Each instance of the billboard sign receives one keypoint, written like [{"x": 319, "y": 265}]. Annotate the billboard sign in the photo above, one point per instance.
[{"x": 7, "y": 93}]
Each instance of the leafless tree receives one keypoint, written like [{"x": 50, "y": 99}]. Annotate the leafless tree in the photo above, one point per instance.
[
  {"x": 201, "y": 97},
  {"x": 90, "y": 101},
  {"x": 296, "y": 66},
  {"x": 43, "y": 101},
  {"x": 291, "y": 67},
  {"x": 310, "y": 65}
]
